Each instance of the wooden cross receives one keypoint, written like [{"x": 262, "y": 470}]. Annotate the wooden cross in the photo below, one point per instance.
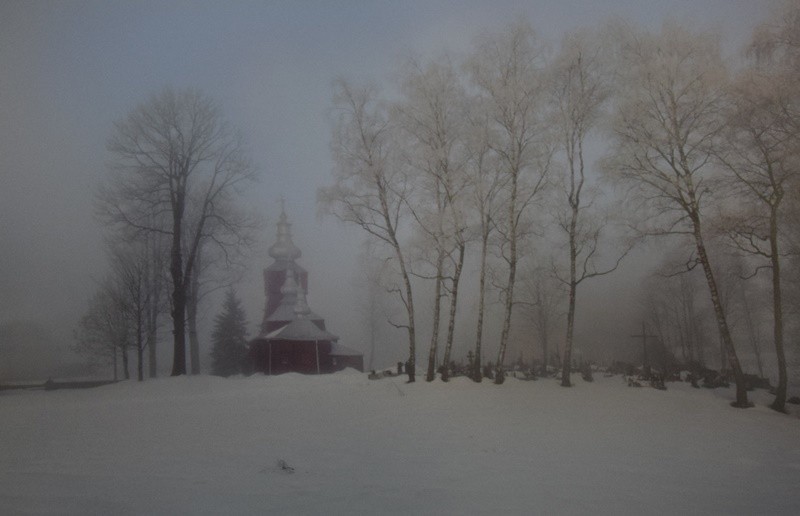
[{"x": 645, "y": 361}]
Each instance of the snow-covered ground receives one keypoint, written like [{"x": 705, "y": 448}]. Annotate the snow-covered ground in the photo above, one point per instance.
[{"x": 206, "y": 445}]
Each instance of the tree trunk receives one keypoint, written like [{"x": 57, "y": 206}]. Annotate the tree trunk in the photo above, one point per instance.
[
  {"x": 409, "y": 302},
  {"x": 125, "y": 371},
  {"x": 178, "y": 331},
  {"x": 477, "y": 373},
  {"x": 777, "y": 308},
  {"x": 451, "y": 323},
  {"x": 545, "y": 350},
  {"x": 509, "y": 306},
  {"x": 153, "y": 309},
  {"x": 152, "y": 349},
  {"x": 114, "y": 364},
  {"x": 139, "y": 347},
  {"x": 178, "y": 297},
  {"x": 437, "y": 303},
  {"x": 372, "y": 334},
  {"x": 191, "y": 313},
  {"x": 573, "y": 287},
  {"x": 722, "y": 323},
  {"x": 566, "y": 368},
  {"x": 140, "y": 364},
  {"x": 512, "y": 272}
]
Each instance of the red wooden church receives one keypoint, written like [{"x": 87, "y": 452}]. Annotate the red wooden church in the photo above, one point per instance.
[{"x": 293, "y": 338}]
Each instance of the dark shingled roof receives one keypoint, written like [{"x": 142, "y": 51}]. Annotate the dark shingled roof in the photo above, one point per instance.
[{"x": 285, "y": 312}]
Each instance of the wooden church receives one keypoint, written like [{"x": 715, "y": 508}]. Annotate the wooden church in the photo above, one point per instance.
[{"x": 292, "y": 337}]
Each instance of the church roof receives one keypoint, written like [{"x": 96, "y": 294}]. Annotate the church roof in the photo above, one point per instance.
[
  {"x": 300, "y": 330},
  {"x": 302, "y": 325},
  {"x": 285, "y": 312},
  {"x": 293, "y": 303}
]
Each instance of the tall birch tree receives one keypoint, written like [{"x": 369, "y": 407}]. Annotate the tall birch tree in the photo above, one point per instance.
[
  {"x": 760, "y": 154},
  {"x": 430, "y": 116},
  {"x": 507, "y": 69},
  {"x": 666, "y": 126},
  {"x": 485, "y": 182},
  {"x": 370, "y": 188},
  {"x": 578, "y": 90}
]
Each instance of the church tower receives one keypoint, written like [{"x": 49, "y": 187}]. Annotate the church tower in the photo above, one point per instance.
[{"x": 284, "y": 253}]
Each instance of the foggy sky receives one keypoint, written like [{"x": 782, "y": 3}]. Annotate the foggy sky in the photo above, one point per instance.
[{"x": 69, "y": 69}]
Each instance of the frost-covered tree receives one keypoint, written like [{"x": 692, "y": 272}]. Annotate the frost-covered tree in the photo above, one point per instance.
[
  {"x": 229, "y": 337},
  {"x": 371, "y": 189},
  {"x": 430, "y": 117},
  {"x": 485, "y": 182},
  {"x": 666, "y": 127},
  {"x": 579, "y": 89},
  {"x": 760, "y": 153},
  {"x": 507, "y": 70}
]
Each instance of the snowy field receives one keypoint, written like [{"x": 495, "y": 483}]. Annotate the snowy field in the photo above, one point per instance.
[{"x": 206, "y": 445}]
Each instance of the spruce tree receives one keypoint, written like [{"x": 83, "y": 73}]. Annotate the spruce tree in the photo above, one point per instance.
[{"x": 229, "y": 337}]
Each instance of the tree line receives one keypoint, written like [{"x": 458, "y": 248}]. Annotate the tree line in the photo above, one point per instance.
[{"x": 486, "y": 154}]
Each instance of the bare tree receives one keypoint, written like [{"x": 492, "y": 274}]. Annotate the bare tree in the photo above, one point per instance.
[
  {"x": 667, "y": 122},
  {"x": 485, "y": 181},
  {"x": 169, "y": 152},
  {"x": 132, "y": 272},
  {"x": 579, "y": 90},
  {"x": 157, "y": 248},
  {"x": 104, "y": 332},
  {"x": 508, "y": 69},
  {"x": 370, "y": 188},
  {"x": 217, "y": 267},
  {"x": 759, "y": 154},
  {"x": 431, "y": 116}
]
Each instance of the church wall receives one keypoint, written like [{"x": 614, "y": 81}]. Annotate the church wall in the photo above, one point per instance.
[{"x": 290, "y": 356}]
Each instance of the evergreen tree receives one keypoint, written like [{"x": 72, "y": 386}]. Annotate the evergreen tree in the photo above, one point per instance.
[{"x": 229, "y": 337}]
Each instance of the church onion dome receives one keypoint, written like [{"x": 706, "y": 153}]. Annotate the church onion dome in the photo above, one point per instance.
[{"x": 284, "y": 249}]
